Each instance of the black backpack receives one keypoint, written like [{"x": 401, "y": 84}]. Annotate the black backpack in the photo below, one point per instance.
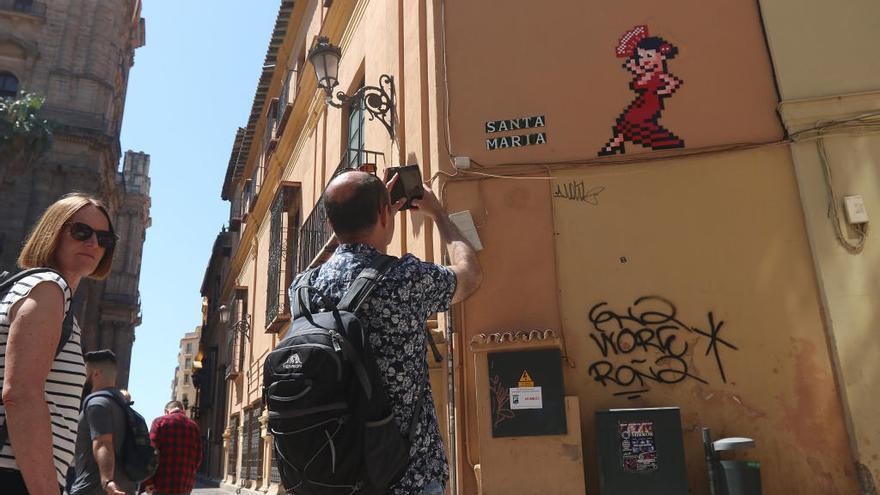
[
  {"x": 332, "y": 425},
  {"x": 139, "y": 458},
  {"x": 7, "y": 281}
]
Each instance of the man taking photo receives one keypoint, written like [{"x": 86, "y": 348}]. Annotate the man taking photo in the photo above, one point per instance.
[{"x": 363, "y": 219}]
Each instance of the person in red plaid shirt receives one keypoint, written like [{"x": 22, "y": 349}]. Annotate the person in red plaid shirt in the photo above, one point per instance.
[{"x": 180, "y": 452}]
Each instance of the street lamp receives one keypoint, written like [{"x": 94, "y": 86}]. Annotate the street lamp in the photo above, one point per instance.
[
  {"x": 241, "y": 326},
  {"x": 185, "y": 403},
  {"x": 377, "y": 100}
]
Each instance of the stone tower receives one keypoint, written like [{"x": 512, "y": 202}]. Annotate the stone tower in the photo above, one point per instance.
[{"x": 77, "y": 53}]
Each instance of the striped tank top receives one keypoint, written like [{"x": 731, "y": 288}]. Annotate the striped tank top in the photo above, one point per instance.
[{"x": 64, "y": 383}]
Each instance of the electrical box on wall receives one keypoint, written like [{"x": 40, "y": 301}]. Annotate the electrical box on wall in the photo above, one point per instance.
[
  {"x": 465, "y": 223},
  {"x": 855, "y": 209}
]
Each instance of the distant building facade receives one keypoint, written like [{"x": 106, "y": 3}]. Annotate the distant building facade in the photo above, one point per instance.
[
  {"x": 78, "y": 55},
  {"x": 182, "y": 388}
]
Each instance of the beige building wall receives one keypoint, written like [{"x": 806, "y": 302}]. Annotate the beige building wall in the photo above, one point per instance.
[{"x": 829, "y": 79}]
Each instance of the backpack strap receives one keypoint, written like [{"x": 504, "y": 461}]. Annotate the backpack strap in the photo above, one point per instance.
[
  {"x": 365, "y": 283},
  {"x": 104, "y": 393},
  {"x": 298, "y": 309}
]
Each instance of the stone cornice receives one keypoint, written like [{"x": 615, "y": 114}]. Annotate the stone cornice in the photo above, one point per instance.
[{"x": 806, "y": 113}]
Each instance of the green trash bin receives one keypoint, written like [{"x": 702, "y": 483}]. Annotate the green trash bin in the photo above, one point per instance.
[{"x": 741, "y": 478}]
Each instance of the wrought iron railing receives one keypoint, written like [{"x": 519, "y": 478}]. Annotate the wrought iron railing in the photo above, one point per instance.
[
  {"x": 276, "y": 253},
  {"x": 36, "y": 9},
  {"x": 252, "y": 455},
  {"x": 232, "y": 455},
  {"x": 274, "y": 473},
  {"x": 76, "y": 118},
  {"x": 283, "y": 242}
]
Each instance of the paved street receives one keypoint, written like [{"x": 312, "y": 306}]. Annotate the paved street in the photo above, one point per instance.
[
  {"x": 203, "y": 489},
  {"x": 211, "y": 491}
]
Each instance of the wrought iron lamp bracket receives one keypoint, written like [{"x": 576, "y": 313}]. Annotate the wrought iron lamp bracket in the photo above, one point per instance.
[
  {"x": 379, "y": 101},
  {"x": 243, "y": 326}
]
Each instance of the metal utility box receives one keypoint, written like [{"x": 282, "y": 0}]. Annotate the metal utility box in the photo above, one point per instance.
[{"x": 640, "y": 451}]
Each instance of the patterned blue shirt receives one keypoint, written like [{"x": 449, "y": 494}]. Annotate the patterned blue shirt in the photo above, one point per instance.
[{"x": 396, "y": 314}]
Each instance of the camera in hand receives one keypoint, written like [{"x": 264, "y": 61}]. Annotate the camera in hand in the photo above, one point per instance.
[{"x": 408, "y": 185}]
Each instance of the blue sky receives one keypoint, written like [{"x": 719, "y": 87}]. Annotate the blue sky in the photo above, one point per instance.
[{"x": 191, "y": 87}]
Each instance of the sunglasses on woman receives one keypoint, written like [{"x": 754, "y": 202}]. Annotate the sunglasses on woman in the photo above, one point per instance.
[{"x": 83, "y": 232}]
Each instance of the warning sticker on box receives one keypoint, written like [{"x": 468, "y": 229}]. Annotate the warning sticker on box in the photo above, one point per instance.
[{"x": 526, "y": 398}]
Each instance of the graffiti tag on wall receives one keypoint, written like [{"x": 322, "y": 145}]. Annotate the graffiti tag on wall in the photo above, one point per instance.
[
  {"x": 647, "y": 344},
  {"x": 576, "y": 191}
]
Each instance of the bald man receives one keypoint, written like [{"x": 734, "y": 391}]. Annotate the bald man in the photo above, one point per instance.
[{"x": 363, "y": 219}]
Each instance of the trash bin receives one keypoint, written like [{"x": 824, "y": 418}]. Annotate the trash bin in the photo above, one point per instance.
[
  {"x": 741, "y": 478},
  {"x": 728, "y": 477}
]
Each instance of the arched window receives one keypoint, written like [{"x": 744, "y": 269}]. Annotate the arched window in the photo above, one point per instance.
[{"x": 8, "y": 85}]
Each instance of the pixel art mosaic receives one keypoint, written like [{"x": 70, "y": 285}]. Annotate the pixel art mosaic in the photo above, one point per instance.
[{"x": 646, "y": 58}]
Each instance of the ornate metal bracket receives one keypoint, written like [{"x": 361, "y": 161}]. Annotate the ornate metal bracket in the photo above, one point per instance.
[{"x": 378, "y": 101}]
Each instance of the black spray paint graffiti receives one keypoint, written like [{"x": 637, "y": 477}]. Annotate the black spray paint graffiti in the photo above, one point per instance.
[
  {"x": 576, "y": 191},
  {"x": 647, "y": 345}
]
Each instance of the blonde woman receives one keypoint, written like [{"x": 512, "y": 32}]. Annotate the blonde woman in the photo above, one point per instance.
[{"x": 41, "y": 391}]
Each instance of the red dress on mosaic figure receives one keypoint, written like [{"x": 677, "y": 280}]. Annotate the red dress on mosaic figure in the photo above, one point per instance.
[{"x": 638, "y": 123}]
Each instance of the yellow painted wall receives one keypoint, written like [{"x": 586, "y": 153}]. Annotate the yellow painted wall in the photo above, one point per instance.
[{"x": 720, "y": 236}]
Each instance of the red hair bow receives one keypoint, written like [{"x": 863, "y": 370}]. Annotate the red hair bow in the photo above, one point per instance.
[{"x": 629, "y": 40}]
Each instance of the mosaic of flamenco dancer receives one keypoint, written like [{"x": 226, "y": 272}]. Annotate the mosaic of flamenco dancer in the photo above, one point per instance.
[{"x": 646, "y": 58}]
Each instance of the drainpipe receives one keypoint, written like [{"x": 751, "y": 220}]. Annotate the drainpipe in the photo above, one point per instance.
[{"x": 450, "y": 400}]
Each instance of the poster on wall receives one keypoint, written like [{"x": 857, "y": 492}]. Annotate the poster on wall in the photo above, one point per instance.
[{"x": 638, "y": 453}]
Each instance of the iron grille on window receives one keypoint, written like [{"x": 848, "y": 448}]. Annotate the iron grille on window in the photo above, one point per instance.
[
  {"x": 274, "y": 474},
  {"x": 234, "y": 340},
  {"x": 232, "y": 458},
  {"x": 252, "y": 461},
  {"x": 282, "y": 257}
]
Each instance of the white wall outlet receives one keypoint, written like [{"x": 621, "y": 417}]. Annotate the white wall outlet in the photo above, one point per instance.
[
  {"x": 855, "y": 209},
  {"x": 462, "y": 162},
  {"x": 465, "y": 223}
]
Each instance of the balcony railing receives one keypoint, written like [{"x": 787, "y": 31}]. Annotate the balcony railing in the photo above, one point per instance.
[
  {"x": 76, "y": 118},
  {"x": 36, "y": 9}
]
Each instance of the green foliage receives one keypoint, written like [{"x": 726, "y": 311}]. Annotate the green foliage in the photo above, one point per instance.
[{"x": 23, "y": 133}]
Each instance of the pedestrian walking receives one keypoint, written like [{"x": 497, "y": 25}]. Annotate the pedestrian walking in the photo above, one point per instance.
[
  {"x": 40, "y": 353},
  {"x": 180, "y": 452},
  {"x": 101, "y": 432},
  {"x": 395, "y": 315}
]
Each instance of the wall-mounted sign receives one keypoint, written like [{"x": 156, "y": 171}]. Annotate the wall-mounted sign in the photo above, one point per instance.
[
  {"x": 501, "y": 142},
  {"x": 515, "y": 124}
]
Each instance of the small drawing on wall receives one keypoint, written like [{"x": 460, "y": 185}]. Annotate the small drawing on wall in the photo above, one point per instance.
[{"x": 646, "y": 58}]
